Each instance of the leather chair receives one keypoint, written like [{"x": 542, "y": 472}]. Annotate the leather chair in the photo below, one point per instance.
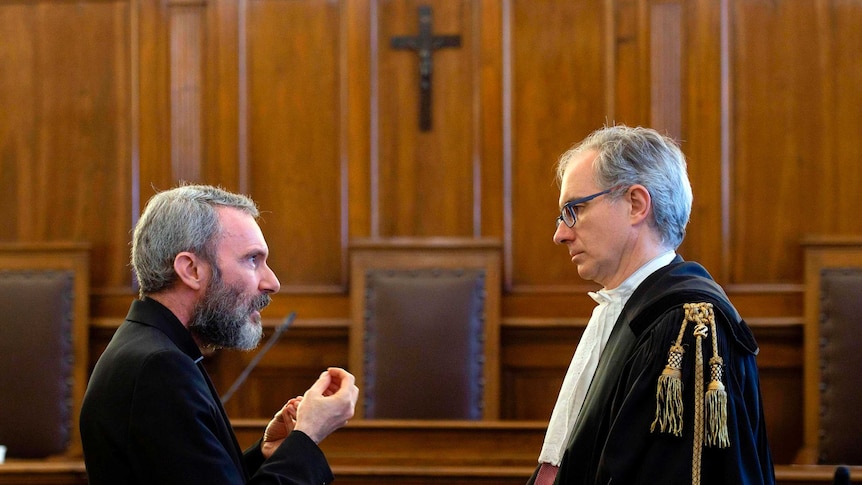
[
  {"x": 44, "y": 293},
  {"x": 424, "y": 339},
  {"x": 833, "y": 352}
]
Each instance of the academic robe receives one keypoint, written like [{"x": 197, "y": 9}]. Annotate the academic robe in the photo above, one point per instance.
[
  {"x": 612, "y": 441},
  {"x": 152, "y": 416}
]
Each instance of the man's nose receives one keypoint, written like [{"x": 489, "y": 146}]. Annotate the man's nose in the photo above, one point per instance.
[
  {"x": 270, "y": 283},
  {"x": 563, "y": 233}
]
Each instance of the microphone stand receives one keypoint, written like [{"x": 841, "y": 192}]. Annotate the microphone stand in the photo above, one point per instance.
[{"x": 251, "y": 365}]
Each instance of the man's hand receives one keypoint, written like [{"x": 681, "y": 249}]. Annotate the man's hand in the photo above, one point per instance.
[
  {"x": 279, "y": 427},
  {"x": 327, "y": 405}
]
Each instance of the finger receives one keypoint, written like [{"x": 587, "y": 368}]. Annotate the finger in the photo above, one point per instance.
[
  {"x": 340, "y": 374},
  {"x": 321, "y": 385},
  {"x": 291, "y": 409},
  {"x": 341, "y": 378},
  {"x": 334, "y": 383}
]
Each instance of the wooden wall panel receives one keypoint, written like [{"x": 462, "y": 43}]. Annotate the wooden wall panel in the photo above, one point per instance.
[
  {"x": 795, "y": 170},
  {"x": 187, "y": 39},
  {"x": 533, "y": 361},
  {"x": 704, "y": 133},
  {"x": 154, "y": 170},
  {"x": 665, "y": 47},
  {"x": 287, "y": 370},
  {"x": 627, "y": 30},
  {"x": 557, "y": 94},
  {"x": 295, "y": 109},
  {"x": 65, "y": 133},
  {"x": 428, "y": 182},
  {"x": 305, "y": 105}
]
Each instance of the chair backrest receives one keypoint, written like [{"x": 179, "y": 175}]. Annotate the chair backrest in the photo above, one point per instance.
[
  {"x": 833, "y": 352},
  {"x": 424, "y": 338},
  {"x": 44, "y": 312}
]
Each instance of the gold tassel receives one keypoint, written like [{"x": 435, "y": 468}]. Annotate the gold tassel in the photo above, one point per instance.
[
  {"x": 668, "y": 410},
  {"x": 716, "y": 404},
  {"x": 668, "y": 394}
]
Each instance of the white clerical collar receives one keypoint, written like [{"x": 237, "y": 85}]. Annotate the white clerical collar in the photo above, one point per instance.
[{"x": 625, "y": 290}]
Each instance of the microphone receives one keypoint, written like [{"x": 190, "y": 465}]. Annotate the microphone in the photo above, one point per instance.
[
  {"x": 842, "y": 476},
  {"x": 251, "y": 365}
]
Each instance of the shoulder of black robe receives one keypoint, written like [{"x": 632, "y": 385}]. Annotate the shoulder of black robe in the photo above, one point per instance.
[
  {"x": 612, "y": 432},
  {"x": 679, "y": 283}
]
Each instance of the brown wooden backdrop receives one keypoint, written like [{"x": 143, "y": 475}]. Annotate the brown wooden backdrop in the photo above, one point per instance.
[{"x": 304, "y": 105}]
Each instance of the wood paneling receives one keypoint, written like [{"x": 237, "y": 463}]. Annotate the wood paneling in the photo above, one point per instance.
[
  {"x": 666, "y": 39},
  {"x": 187, "y": 37},
  {"x": 534, "y": 356},
  {"x": 64, "y": 127},
  {"x": 295, "y": 107},
  {"x": 795, "y": 168},
  {"x": 557, "y": 93},
  {"x": 427, "y": 182},
  {"x": 704, "y": 136},
  {"x": 304, "y": 105}
]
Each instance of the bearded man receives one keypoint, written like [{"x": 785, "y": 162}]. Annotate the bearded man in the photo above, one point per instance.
[{"x": 151, "y": 413}]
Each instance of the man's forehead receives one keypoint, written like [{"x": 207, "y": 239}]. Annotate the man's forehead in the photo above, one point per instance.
[
  {"x": 239, "y": 226},
  {"x": 578, "y": 178}
]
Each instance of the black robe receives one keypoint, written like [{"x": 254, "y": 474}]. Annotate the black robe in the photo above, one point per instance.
[
  {"x": 152, "y": 416},
  {"x": 612, "y": 441}
]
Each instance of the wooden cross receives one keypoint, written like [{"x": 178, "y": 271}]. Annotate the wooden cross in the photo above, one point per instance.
[{"x": 425, "y": 44}]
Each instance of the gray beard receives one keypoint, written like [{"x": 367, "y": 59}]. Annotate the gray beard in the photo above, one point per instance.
[{"x": 222, "y": 318}]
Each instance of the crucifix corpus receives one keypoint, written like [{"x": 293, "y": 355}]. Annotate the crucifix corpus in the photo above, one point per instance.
[{"x": 425, "y": 44}]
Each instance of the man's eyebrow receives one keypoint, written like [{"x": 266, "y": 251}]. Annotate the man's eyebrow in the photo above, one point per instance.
[{"x": 255, "y": 252}]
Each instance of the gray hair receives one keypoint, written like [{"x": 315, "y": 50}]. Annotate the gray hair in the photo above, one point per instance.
[
  {"x": 628, "y": 156},
  {"x": 177, "y": 220}
]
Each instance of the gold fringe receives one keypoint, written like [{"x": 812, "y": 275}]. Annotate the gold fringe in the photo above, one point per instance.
[
  {"x": 716, "y": 406},
  {"x": 668, "y": 412},
  {"x": 668, "y": 394}
]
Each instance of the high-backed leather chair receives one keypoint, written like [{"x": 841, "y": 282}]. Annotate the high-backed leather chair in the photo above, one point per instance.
[
  {"x": 833, "y": 352},
  {"x": 44, "y": 302},
  {"x": 424, "y": 338}
]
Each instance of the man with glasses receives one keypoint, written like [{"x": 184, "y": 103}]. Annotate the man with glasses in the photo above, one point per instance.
[{"x": 663, "y": 387}]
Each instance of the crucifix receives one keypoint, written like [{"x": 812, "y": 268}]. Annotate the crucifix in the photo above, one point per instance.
[{"x": 425, "y": 44}]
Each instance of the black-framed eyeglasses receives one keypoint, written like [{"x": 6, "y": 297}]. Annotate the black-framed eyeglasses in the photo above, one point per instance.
[{"x": 568, "y": 214}]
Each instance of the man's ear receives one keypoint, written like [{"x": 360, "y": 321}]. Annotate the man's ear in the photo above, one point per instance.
[
  {"x": 191, "y": 270},
  {"x": 641, "y": 203}
]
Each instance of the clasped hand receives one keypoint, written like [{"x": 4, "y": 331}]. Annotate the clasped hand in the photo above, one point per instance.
[{"x": 326, "y": 406}]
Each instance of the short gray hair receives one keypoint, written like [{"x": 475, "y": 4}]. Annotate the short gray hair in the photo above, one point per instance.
[
  {"x": 628, "y": 156},
  {"x": 177, "y": 220}
]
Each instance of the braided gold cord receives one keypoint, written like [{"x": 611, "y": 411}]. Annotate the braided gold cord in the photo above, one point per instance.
[{"x": 698, "y": 313}]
